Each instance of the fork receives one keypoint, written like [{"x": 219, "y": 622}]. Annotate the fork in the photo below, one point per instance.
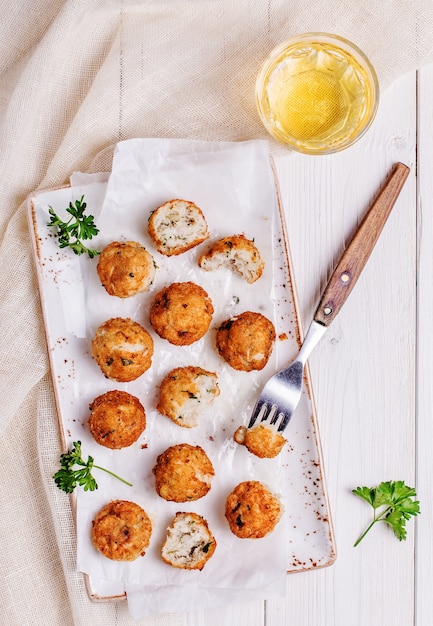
[{"x": 282, "y": 392}]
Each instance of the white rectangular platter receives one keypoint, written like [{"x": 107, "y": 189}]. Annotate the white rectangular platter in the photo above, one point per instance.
[{"x": 234, "y": 184}]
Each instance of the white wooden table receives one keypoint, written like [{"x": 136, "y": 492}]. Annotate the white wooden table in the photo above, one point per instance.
[{"x": 371, "y": 372}]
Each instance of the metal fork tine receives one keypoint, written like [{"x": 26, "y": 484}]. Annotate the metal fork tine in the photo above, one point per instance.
[
  {"x": 285, "y": 419},
  {"x": 259, "y": 410},
  {"x": 277, "y": 418},
  {"x": 272, "y": 416}
]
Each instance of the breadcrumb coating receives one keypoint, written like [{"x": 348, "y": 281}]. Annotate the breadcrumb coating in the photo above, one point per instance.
[
  {"x": 246, "y": 341},
  {"x": 183, "y": 473},
  {"x": 117, "y": 419},
  {"x": 185, "y": 392},
  {"x": 260, "y": 440},
  {"x": 177, "y": 226},
  {"x": 121, "y": 531},
  {"x": 237, "y": 253},
  {"x": 181, "y": 313},
  {"x": 123, "y": 349},
  {"x": 252, "y": 511},
  {"x": 189, "y": 543},
  {"x": 125, "y": 269}
]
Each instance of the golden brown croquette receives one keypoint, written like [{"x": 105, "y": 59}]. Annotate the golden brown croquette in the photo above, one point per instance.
[
  {"x": 246, "y": 341},
  {"x": 189, "y": 543},
  {"x": 125, "y": 269},
  {"x": 123, "y": 349},
  {"x": 237, "y": 253},
  {"x": 261, "y": 440},
  {"x": 116, "y": 419},
  {"x": 183, "y": 473},
  {"x": 181, "y": 313},
  {"x": 121, "y": 531},
  {"x": 252, "y": 511},
  {"x": 177, "y": 226},
  {"x": 185, "y": 392}
]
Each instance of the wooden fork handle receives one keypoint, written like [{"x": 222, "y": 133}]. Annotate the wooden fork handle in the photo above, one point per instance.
[{"x": 356, "y": 255}]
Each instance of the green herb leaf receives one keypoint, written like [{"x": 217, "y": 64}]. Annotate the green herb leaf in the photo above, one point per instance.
[
  {"x": 79, "y": 227},
  {"x": 67, "y": 478},
  {"x": 393, "y": 503}
]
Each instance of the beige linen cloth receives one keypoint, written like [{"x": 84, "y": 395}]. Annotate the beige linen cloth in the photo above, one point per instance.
[{"x": 76, "y": 77}]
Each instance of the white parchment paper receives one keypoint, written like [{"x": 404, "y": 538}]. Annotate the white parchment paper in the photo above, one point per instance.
[{"x": 234, "y": 186}]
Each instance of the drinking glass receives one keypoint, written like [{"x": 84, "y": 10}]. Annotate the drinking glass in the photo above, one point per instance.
[{"x": 317, "y": 93}]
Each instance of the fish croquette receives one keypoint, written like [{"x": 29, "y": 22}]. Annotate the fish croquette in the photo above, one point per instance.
[
  {"x": 177, "y": 226},
  {"x": 246, "y": 341},
  {"x": 125, "y": 269},
  {"x": 189, "y": 543},
  {"x": 123, "y": 349},
  {"x": 116, "y": 419},
  {"x": 237, "y": 253},
  {"x": 181, "y": 313},
  {"x": 185, "y": 392},
  {"x": 252, "y": 511},
  {"x": 183, "y": 473},
  {"x": 261, "y": 440},
  {"x": 121, "y": 531}
]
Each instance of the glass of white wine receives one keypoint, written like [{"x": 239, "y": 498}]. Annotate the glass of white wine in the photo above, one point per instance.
[{"x": 317, "y": 93}]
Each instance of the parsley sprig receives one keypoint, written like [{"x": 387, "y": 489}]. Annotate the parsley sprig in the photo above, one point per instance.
[
  {"x": 79, "y": 227},
  {"x": 393, "y": 503},
  {"x": 67, "y": 477}
]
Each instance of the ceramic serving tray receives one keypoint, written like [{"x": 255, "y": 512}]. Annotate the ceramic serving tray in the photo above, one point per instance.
[{"x": 74, "y": 303}]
